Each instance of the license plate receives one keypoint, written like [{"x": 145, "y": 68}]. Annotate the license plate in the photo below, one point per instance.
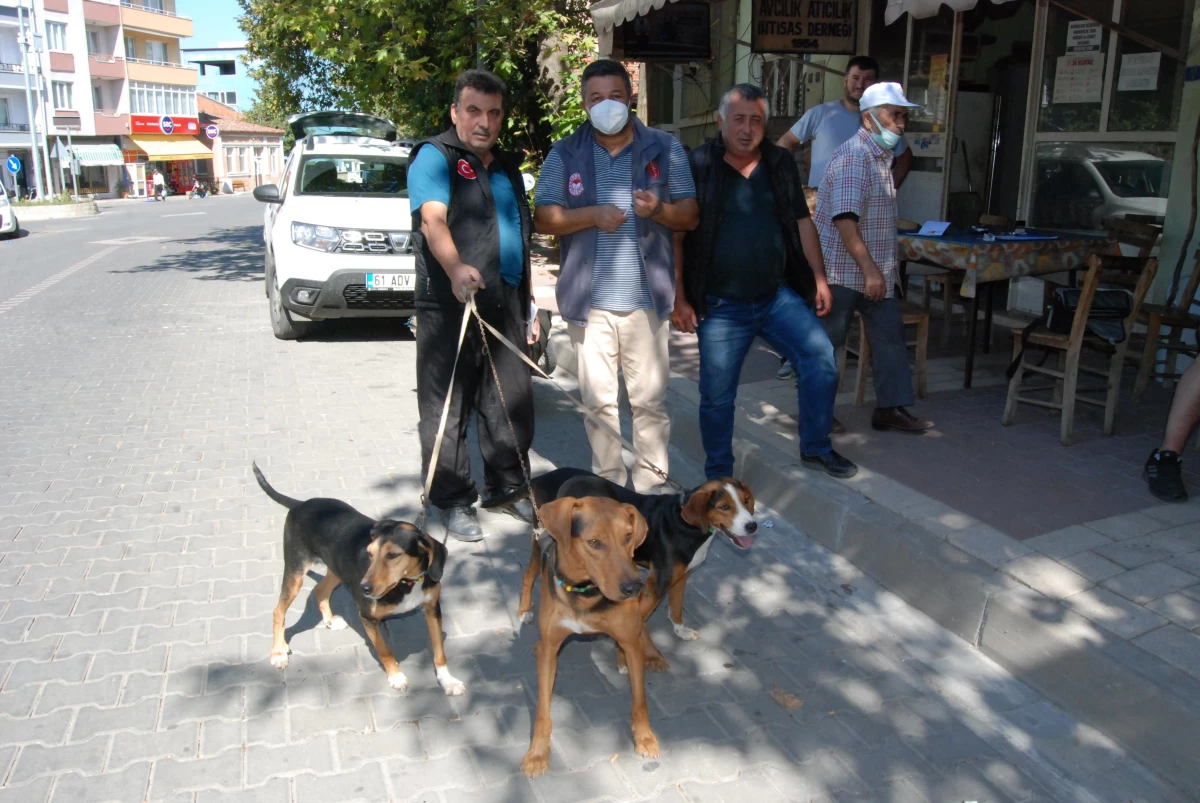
[{"x": 391, "y": 281}]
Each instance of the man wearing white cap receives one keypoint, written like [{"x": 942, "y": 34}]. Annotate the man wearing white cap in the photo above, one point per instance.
[{"x": 856, "y": 220}]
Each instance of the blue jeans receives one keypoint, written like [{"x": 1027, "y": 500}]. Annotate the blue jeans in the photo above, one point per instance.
[{"x": 789, "y": 325}]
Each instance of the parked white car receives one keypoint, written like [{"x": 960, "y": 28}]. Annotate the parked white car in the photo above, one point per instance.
[
  {"x": 337, "y": 228},
  {"x": 9, "y": 227},
  {"x": 1086, "y": 186}
]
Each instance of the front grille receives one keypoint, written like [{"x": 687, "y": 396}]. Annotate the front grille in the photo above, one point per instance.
[
  {"x": 354, "y": 241},
  {"x": 357, "y": 297}
]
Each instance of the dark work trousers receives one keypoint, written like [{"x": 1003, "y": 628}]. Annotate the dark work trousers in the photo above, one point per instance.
[
  {"x": 885, "y": 334},
  {"x": 474, "y": 391}
]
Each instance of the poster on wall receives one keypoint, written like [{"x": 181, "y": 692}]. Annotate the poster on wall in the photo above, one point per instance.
[
  {"x": 1084, "y": 36},
  {"x": 1079, "y": 79},
  {"x": 1139, "y": 72},
  {"x": 804, "y": 26}
]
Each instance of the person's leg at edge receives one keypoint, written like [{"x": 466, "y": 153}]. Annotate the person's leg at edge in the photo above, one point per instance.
[
  {"x": 892, "y": 375},
  {"x": 724, "y": 338},
  {"x": 503, "y": 457},
  {"x": 1164, "y": 468},
  {"x": 437, "y": 340},
  {"x": 645, "y": 362},
  {"x": 793, "y": 329},
  {"x": 598, "y": 351}
]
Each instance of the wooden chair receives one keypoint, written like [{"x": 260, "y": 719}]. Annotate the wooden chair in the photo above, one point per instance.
[
  {"x": 861, "y": 351},
  {"x": 1179, "y": 318},
  {"x": 1142, "y": 236},
  {"x": 1066, "y": 389},
  {"x": 951, "y": 283}
]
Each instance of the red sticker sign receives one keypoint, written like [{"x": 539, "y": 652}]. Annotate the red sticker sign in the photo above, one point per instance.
[
  {"x": 653, "y": 168},
  {"x": 465, "y": 170},
  {"x": 575, "y": 184}
]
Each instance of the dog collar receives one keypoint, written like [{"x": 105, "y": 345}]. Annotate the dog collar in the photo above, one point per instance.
[
  {"x": 412, "y": 581},
  {"x": 585, "y": 588}
]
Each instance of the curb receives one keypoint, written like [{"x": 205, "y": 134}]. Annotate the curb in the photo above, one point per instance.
[
  {"x": 1103, "y": 681},
  {"x": 57, "y": 211}
]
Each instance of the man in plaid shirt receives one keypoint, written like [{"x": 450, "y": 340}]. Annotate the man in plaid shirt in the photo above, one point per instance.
[{"x": 856, "y": 220}]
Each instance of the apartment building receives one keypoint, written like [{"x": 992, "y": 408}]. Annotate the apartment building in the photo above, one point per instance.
[
  {"x": 224, "y": 74},
  {"x": 113, "y": 78}
]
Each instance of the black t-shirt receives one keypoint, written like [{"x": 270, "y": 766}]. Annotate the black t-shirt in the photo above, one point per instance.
[{"x": 749, "y": 255}]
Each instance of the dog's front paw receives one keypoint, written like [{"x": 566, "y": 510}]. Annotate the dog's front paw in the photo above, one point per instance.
[
  {"x": 279, "y": 660},
  {"x": 656, "y": 663},
  {"x": 398, "y": 681},
  {"x": 535, "y": 763},
  {"x": 450, "y": 684},
  {"x": 526, "y": 618},
  {"x": 622, "y": 669},
  {"x": 684, "y": 632},
  {"x": 646, "y": 745},
  {"x": 335, "y": 623}
]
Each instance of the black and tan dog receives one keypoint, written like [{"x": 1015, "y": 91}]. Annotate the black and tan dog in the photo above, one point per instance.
[
  {"x": 590, "y": 584},
  {"x": 389, "y": 567},
  {"x": 681, "y": 528}
]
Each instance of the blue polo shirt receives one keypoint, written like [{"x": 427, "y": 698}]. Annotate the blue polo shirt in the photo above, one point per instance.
[{"x": 429, "y": 180}]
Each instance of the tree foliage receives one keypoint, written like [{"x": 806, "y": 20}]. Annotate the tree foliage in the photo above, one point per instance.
[{"x": 399, "y": 59}]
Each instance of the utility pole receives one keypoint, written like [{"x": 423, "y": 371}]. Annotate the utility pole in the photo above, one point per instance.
[
  {"x": 51, "y": 184},
  {"x": 26, "y": 43}
]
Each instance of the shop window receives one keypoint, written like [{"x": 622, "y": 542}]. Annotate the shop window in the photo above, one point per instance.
[
  {"x": 1073, "y": 70},
  {"x": 887, "y": 42},
  {"x": 1078, "y": 185}
]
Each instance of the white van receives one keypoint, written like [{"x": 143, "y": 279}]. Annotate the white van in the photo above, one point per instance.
[{"x": 1086, "y": 186}]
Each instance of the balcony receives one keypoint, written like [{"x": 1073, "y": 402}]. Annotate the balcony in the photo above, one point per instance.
[
  {"x": 106, "y": 66},
  {"x": 12, "y": 76},
  {"x": 59, "y": 6},
  {"x": 161, "y": 72},
  {"x": 61, "y": 62},
  {"x": 102, "y": 13},
  {"x": 110, "y": 122},
  {"x": 149, "y": 19}
]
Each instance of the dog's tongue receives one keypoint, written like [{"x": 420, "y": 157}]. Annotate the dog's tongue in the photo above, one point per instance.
[{"x": 742, "y": 541}]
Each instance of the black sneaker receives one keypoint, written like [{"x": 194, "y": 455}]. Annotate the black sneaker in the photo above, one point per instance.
[
  {"x": 1164, "y": 475},
  {"x": 831, "y": 463},
  {"x": 463, "y": 523}
]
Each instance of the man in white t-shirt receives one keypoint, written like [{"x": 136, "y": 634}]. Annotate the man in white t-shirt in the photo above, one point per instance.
[{"x": 828, "y": 126}]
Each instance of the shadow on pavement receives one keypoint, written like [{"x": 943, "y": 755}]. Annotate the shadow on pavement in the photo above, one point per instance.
[{"x": 223, "y": 255}]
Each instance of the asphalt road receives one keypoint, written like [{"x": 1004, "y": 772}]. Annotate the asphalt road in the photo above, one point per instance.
[{"x": 139, "y": 564}]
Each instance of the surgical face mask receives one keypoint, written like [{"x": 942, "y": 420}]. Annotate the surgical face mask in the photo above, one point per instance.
[
  {"x": 609, "y": 116},
  {"x": 884, "y": 138}
]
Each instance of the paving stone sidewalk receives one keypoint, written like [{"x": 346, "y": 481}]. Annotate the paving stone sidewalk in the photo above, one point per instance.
[{"x": 139, "y": 564}]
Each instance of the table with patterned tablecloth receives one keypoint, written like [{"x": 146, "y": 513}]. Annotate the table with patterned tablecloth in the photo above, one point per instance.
[{"x": 996, "y": 261}]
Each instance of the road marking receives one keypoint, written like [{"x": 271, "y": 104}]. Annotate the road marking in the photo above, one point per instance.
[
  {"x": 186, "y": 214},
  {"x": 127, "y": 241},
  {"x": 25, "y": 295}
]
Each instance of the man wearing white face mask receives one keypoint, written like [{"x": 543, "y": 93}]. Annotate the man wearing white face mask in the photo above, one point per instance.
[
  {"x": 856, "y": 220},
  {"x": 614, "y": 193}
]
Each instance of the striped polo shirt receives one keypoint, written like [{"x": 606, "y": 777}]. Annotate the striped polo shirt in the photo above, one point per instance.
[{"x": 618, "y": 274}]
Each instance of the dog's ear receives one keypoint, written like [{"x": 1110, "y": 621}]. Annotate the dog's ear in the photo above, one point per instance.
[
  {"x": 638, "y": 522},
  {"x": 436, "y": 553},
  {"x": 556, "y": 517},
  {"x": 749, "y": 497},
  {"x": 695, "y": 512}
]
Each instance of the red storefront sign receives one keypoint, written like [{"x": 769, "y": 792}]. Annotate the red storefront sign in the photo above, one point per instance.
[{"x": 163, "y": 124}]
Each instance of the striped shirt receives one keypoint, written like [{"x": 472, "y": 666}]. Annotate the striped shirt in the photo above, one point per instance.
[
  {"x": 859, "y": 184},
  {"x": 618, "y": 274}
]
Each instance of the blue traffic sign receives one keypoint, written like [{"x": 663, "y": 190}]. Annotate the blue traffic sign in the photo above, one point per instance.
[
  {"x": 166, "y": 124},
  {"x": 13, "y": 164}
]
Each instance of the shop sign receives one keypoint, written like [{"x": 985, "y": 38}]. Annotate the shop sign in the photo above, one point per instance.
[
  {"x": 163, "y": 124},
  {"x": 1084, "y": 36},
  {"x": 211, "y": 131},
  {"x": 804, "y": 26}
]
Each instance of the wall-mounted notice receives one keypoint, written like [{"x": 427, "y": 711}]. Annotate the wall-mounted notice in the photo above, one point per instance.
[
  {"x": 1083, "y": 36},
  {"x": 1139, "y": 72},
  {"x": 1079, "y": 79}
]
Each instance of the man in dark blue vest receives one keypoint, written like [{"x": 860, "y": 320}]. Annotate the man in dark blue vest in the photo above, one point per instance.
[
  {"x": 471, "y": 228},
  {"x": 614, "y": 193}
]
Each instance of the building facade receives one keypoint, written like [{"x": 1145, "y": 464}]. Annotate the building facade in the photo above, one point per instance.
[
  {"x": 113, "y": 98},
  {"x": 244, "y": 155},
  {"x": 224, "y": 74}
]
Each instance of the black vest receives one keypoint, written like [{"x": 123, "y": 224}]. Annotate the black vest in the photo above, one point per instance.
[
  {"x": 474, "y": 227},
  {"x": 711, "y": 189}
]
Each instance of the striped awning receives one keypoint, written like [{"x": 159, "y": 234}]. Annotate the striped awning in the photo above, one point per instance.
[
  {"x": 98, "y": 155},
  {"x": 608, "y": 14}
]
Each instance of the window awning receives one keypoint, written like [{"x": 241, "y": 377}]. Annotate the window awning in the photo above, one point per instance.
[
  {"x": 162, "y": 148},
  {"x": 920, "y": 9},
  {"x": 98, "y": 155},
  {"x": 608, "y": 14}
]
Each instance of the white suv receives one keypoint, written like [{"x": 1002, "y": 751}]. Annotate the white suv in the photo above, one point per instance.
[
  {"x": 9, "y": 227},
  {"x": 337, "y": 231}
]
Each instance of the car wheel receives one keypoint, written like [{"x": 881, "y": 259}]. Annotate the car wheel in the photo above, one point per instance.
[
  {"x": 549, "y": 360},
  {"x": 281, "y": 322}
]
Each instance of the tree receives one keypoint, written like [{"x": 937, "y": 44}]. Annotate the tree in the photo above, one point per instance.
[{"x": 399, "y": 59}]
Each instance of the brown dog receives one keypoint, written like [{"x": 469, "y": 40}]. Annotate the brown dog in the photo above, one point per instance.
[{"x": 590, "y": 584}]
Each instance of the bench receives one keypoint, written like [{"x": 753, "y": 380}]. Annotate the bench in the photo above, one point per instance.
[{"x": 239, "y": 185}]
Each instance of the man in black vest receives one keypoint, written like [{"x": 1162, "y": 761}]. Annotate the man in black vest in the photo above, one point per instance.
[
  {"x": 471, "y": 228},
  {"x": 753, "y": 268}
]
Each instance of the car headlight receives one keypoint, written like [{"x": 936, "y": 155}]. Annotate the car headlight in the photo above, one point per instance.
[{"x": 318, "y": 238}]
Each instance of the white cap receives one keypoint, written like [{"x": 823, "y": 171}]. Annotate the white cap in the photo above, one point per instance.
[{"x": 885, "y": 93}]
